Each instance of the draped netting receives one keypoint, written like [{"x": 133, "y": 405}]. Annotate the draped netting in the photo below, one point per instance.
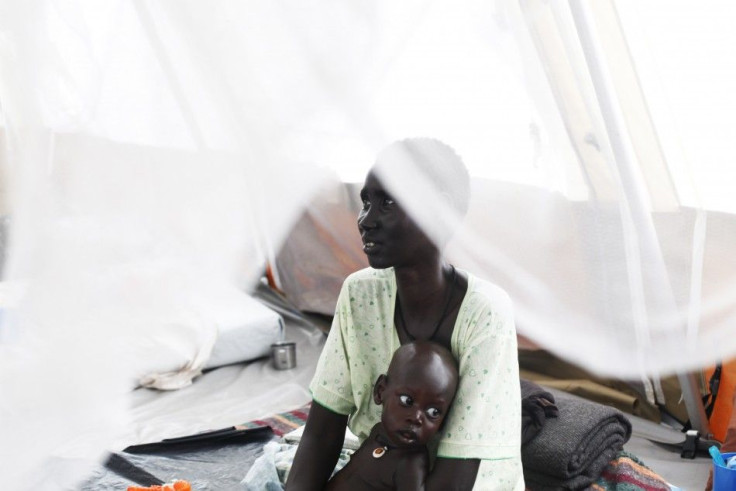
[{"x": 154, "y": 151}]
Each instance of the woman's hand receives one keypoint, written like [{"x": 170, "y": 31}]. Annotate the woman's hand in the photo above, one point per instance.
[{"x": 318, "y": 449}]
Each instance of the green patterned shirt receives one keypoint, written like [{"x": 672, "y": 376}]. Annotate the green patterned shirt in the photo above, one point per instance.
[{"x": 485, "y": 419}]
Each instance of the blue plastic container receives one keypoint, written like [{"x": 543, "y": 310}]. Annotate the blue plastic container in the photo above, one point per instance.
[{"x": 724, "y": 479}]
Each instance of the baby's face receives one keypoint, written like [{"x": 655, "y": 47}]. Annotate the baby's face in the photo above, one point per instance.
[{"x": 414, "y": 405}]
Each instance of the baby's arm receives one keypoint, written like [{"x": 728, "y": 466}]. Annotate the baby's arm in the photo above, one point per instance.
[{"x": 411, "y": 471}]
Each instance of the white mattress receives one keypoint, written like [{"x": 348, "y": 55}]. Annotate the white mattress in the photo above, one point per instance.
[
  {"x": 246, "y": 329},
  {"x": 221, "y": 326}
]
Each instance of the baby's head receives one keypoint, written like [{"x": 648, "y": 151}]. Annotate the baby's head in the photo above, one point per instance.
[{"x": 416, "y": 393}]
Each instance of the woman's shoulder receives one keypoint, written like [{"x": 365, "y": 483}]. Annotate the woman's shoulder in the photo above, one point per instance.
[
  {"x": 370, "y": 275},
  {"x": 485, "y": 294},
  {"x": 369, "y": 287}
]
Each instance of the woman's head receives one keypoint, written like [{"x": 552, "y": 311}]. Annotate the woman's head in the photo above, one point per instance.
[
  {"x": 422, "y": 174},
  {"x": 416, "y": 392},
  {"x": 432, "y": 161}
]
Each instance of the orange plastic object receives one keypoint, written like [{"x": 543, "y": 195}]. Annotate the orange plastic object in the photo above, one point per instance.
[
  {"x": 175, "y": 486},
  {"x": 724, "y": 406}
]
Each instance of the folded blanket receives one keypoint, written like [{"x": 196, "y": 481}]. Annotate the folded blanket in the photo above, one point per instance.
[
  {"x": 537, "y": 405},
  {"x": 571, "y": 451}
]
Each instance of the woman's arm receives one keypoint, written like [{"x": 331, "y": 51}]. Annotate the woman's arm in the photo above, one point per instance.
[
  {"x": 318, "y": 449},
  {"x": 453, "y": 474}
]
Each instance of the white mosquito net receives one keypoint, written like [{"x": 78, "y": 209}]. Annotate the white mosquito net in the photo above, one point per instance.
[{"x": 152, "y": 151}]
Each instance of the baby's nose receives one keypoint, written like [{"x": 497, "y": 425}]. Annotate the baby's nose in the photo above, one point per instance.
[{"x": 415, "y": 417}]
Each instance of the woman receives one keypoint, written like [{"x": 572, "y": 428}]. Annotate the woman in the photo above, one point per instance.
[{"x": 409, "y": 293}]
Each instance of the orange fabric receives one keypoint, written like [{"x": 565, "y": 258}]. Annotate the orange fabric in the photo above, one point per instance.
[
  {"x": 271, "y": 278},
  {"x": 176, "y": 486},
  {"x": 723, "y": 409}
]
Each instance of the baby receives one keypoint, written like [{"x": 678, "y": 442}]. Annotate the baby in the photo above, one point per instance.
[{"x": 416, "y": 394}]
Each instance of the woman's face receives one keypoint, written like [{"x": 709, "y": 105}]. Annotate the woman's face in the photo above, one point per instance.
[{"x": 390, "y": 237}]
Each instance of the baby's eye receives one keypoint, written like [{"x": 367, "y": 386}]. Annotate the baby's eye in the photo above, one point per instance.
[
  {"x": 433, "y": 413},
  {"x": 405, "y": 400},
  {"x": 388, "y": 202},
  {"x": 366, "y": 204}
]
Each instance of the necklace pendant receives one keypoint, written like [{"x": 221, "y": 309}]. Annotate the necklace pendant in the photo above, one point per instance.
[{"x": 379, "y": 452}]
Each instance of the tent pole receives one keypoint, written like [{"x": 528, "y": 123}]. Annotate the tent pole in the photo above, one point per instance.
[
  {"x": 694, "y": 403},
  {"x": 623, "y": 161}
]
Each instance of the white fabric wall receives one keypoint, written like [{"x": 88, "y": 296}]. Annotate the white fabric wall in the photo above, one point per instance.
[{"x": 154, "y": 148}]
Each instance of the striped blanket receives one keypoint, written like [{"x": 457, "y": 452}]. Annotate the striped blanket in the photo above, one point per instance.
[
  {"x": 627, "y": 473},
  {"x": 282, "y": 423}
]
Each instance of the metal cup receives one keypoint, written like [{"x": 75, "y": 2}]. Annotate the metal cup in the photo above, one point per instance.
[{"x": 283, "y": 355}]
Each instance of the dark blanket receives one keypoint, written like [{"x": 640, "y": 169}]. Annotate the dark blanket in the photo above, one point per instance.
[
  {"x": 536, "y": 406},
  {"x": 571, "y": 451}
]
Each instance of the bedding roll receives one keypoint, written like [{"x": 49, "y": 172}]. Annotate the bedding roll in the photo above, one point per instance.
[
  {"x": 537, "y": 405},
  {"x": 571, "y": 451}
]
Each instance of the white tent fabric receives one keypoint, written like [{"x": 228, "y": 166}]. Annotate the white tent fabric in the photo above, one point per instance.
[{"x": 154, "y": 151}]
